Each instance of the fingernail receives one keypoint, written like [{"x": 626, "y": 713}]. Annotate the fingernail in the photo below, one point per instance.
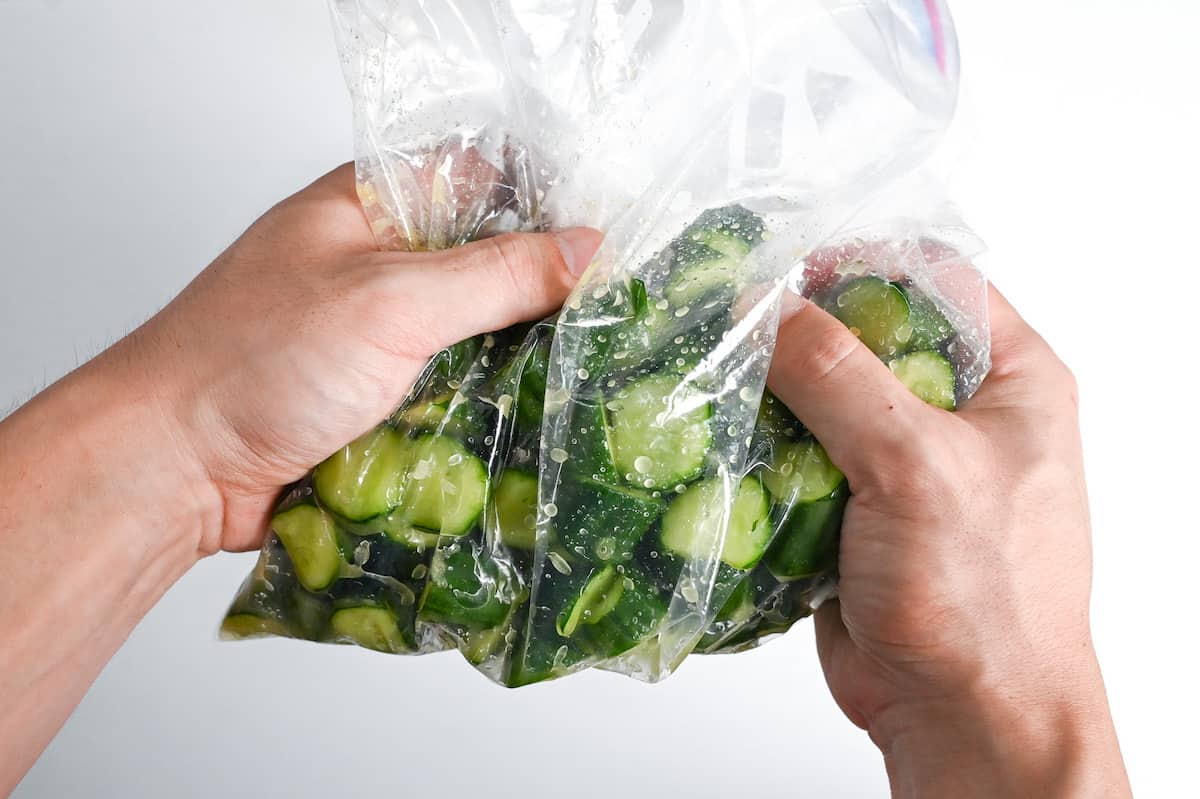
[{"x": 578, "y": 245}]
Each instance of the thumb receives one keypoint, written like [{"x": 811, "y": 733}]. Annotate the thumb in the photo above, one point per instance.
[
  {"x": 496, "y": 282},
  {"x": 864, "y": 417}
]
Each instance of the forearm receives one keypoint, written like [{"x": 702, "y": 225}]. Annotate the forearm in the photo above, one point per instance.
[
  {"x": 1059, "y": 744},
  {"x": 99, "y": 515}
]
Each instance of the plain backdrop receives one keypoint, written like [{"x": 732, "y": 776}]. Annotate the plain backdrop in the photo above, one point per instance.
[{"x": 138, "y": 138}]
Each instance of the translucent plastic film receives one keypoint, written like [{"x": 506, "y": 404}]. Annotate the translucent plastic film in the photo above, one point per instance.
[{"x": 613, "y": 486}]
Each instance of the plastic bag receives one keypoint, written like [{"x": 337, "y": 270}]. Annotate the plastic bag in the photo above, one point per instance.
[{"x": 613, "y": 486}]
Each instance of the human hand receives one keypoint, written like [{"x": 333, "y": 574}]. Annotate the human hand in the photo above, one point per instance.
[
  {"x": 961, "y": 638},
  {"x": 303, "y": 335}
]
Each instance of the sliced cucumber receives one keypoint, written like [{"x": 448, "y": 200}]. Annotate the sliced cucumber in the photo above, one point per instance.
[
  {"x": 250, "y": 625},
  {"x": 371, "y": 626},
  {"x": 801, "y": 472},
  {"x": 466, "y": 588},
  {"x": 808, "y": 542},
  {"x": 702, "y": 272},
  {"x": 877, "y": 312},
  {"x": 513, "y": 518},
  {"x": 930, "y": 328},
  {"x": 445, "y": 486},
  {"x": 695, "y": 518},
  {"x": 598, "y": 593},
  {"x": 310, "y": 537},
  {"x": 928, "y": 375},
  {"x": 364, "y": 479},
  {"x": 660, "y": 432},
  {"x": 633, "y": 617},
  {"x": 603, "y": 523}
]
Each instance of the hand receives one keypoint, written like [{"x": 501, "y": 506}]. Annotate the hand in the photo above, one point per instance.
[
  {"x": 175, "y": 442},
  {"x": 961, "y": 639},
  {"x": 303, "y": 335}
]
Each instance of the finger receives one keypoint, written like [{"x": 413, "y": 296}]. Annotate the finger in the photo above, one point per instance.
[
  {"x": 1025, "y": 371},
  {"x": 865, "y": 418},
  {"x": 491, "y": 284},
  {"x": 835, "y": 649}
]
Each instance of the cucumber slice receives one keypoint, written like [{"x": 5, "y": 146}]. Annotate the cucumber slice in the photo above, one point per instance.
[
  {"x": 877, "y": 312},
  {"x": 930, "y": 327},
  {"x": 603, "y": 523},
  {"x": 466, "y": 588},
  {"x": 660, "y": 432},
  {"x": 311, "y": 539},
  {"x": 597, "y": 595},
  {"x": 445, "y": 486},
  {"x": 250, "y": 625},
  {"x": 513, "y": 519},
  {"x": 370, "y": 626},
  {"x": 928, "y": 375},
  {"x": 808, "y": 542},
  {"x": 631, "y": 616},
  {"x": 364, "y": 478},
  {"x": 695, "y": 516},
  {"x": 801, "y": 472},
  {"x": 701, "y": 272}
]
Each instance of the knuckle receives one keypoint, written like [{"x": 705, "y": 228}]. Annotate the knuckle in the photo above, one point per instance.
[{"x": 823, "y": 354}]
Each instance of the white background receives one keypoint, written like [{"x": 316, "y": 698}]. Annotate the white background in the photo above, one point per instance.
[{"x": 137, "y": 138}]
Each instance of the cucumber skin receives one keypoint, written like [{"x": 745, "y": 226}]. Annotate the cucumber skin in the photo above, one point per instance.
[
  {"x": 590, "y": 512},
  {"x": 457, "y": 595},
  {"x": 807, "y": 542},
  {"x": 634, "y": 619}
]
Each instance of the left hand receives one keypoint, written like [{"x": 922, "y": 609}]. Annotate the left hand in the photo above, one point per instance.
[{"x": 303, "y": 335}]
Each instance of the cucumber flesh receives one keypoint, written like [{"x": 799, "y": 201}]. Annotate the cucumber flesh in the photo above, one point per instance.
[
  {"x": 513, "y": 519},
  {"x": 363, "y": 479},
  {"x": 695, "y": 516},
  {"x": 310, "y": 537},
  {"x": 632, "y": 615},
  {"x": 801, "y": 472},
  {"x": 250, "y": 625},
  {"x": 597, "y": 595},
  {"x": 466, "y": 588},
  {"x": 371, "y": 627},
  {"x": 877, "y": 312},
  {"x": 660, "y": 432},
  {"x": 445, "y": 486},
  {"x": 930, "y": 327},
  {"x": 928, "y": 375}
]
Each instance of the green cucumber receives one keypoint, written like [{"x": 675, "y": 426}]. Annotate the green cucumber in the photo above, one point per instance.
[
  {"x": 877, "y": 312},
  {"x": 445, "y": 486},
  {"x": 513, "y": 517},
  {"x": 800, "y": 472},
  {"x": 364, "y": 478},
  {"x": 603, "y": 523},
  {"x": 807, "y": 543},
  {"x": 310, "y": 537},
  {"x": 467, "y": 588},
  {"x": 660, "y": 432},
  {"x": 632, "y": 615},
  {"x": 930, "y": 328},
  {"x": 928, "y": 375},
  {"x": 695, "y": 517},
  {"x": 251, "y": 625},
  {"x": 372, "y": 626},
  {"x": 702, "y": 272},
  {"x": 596, "y": 595}
]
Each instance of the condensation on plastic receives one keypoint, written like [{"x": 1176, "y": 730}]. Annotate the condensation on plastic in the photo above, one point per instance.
[{"x": 635, "y": 117}]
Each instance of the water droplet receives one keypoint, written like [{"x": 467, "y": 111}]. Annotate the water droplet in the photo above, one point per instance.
[
  {"x": 628, "y": 583},
  {"x": 681, "y": 311},
  {"x": 558, "y": 562},
  {"x": 504, "y": 404},
  {"x": 581, "y": 373},
  {"x": 600, "y": 292},
  {"x": 454, "y": 384},
  {"x": 643, "y": 464},
  {"x": 786, "y": 468},
  {"x": 559, "y": 455},
  {"x": 662, "y": 305},
  {"x": 688, "y": 591},
  {"x": 489, "y": 341},
  {"x": 843, "y": 299},
  {"x": 454, "y": 459},
  {"x": 489, "y": 440},
  {"x": 550, "y": 509},
  {"x": 485, "y": 360},
  {"x": 606, "y": 547},
  {"x": 747, "y": 394},
  {"x": 419, "y": 571}
]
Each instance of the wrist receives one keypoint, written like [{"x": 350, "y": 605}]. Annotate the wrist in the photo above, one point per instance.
[{"x": 996, "y": 740}]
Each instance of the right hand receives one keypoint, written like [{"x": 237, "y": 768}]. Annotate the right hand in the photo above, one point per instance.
[{"x": 961, "y": 638}]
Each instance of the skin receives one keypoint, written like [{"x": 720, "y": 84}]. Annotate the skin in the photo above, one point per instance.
[{"x": 961, "y": 641}]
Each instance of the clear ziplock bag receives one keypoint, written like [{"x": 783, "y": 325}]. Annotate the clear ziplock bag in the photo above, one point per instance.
[{"x": 613, "y": 486}]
